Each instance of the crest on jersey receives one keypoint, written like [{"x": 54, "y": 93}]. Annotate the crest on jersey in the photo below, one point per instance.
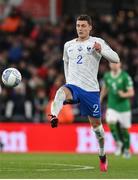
[
  {"x": 119, "y": 80},
  {"x": 89, "y": 48}
]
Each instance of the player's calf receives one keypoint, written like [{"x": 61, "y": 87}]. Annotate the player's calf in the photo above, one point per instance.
[{"x": 118, "y": 150}]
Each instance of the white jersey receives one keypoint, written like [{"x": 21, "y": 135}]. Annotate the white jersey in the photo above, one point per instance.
[{"x": 81, "y": 62}]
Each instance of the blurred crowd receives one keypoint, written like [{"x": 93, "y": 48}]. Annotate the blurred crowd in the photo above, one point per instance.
[{"x": 35, "y": 48}]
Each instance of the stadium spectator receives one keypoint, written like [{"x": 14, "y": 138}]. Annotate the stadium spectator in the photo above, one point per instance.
[
  {"x": 40, "y": 103},
  {"x": 12, "y": 22},
  {"x": 18, "y": 107},
  {"x": 3, "y": 100}
]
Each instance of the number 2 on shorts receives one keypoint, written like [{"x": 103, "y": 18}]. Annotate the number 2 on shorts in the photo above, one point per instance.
[{"x": 95, "y": 106}]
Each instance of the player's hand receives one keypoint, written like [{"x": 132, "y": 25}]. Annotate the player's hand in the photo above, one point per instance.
[
  {"x": 97, "y": 47},
  {"x": 121, "y": 94}
]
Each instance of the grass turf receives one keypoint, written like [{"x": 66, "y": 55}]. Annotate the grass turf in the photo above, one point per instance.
[{"x": 65, "y": 166}]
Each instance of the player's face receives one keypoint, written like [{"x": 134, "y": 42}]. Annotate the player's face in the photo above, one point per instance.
[
  {"x": 115, "y": 66},
  {"x": 83, "y": 29}
]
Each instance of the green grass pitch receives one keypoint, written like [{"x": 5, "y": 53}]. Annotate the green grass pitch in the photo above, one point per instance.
[{"x": 65, "y": 166}]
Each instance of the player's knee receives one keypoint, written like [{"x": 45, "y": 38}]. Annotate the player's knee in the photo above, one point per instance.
[
  {"x": 99, "y": 131},
  {"x": 95, "y": 122}
]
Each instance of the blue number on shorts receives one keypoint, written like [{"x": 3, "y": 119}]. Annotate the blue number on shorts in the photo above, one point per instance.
[
  {"x": 95, "y": 106},
  {"x": 79, "y": 59}
]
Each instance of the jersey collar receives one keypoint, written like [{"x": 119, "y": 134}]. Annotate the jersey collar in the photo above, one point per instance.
[{"x": 116, "y": 75}]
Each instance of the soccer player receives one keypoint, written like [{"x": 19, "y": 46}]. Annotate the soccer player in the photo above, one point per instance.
[
  {"x": 118, "y": 86},
  {"x": 81, "y": 61}
]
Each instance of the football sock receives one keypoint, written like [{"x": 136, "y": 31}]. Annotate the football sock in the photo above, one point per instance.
[
  {"x": 57, "y": 104},
  {"x": 114, "y": 131},
  {"x": 99, "y": 132},
  {"x": 126, "y": 138}
]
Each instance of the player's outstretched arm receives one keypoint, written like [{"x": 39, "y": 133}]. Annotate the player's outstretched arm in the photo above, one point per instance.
[
  {"x": 128, "y": 94},
  {"x": 109, "y": 54},
  {"x": 105, "y": 50}
]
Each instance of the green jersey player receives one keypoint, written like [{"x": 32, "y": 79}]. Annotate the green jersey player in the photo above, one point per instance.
[{"x": 118, "y": 86}]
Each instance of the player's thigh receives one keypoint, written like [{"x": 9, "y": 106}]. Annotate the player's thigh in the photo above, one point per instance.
[
  {"x": 112, "y": 116},
  {"x": 125, "y": 119},
  {"x": 67, "y": 92}
]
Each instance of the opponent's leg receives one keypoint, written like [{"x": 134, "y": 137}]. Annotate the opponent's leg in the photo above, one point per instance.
[
  {"x": 126, "y": 139},
  {"x": 62, "y": 94},
  {"x": 99, "y": 132},
  {"x": 112, "y": 118},
  {"x": 125, "y": 124},
  {"x": 114, "y": 131},
  {"x": 116, "y": 136}
]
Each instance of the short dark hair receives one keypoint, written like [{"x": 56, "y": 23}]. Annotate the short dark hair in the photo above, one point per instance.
[{"x": 85, "y": 17}]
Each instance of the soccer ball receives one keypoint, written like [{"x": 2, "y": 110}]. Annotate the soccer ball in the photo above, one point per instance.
[{"x": 11, "y": 77}]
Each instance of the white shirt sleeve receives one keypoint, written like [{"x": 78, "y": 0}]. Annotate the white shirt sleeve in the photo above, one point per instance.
[
  {"x": 108, "y": 53},
  {"x": 65, "y": 59}
]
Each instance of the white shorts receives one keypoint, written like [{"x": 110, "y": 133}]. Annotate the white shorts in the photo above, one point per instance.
[{"x": 124, "y": 118}]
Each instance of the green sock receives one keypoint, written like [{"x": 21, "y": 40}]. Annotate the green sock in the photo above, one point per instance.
[
  {"x": 126, "y": 138},
  {"x": 114, "y": 131}
]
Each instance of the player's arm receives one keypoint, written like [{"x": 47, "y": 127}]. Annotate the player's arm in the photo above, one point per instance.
[
  {"x": 103, "y": 92},
  {"x": 129, "y": 86},
  {"x": 65, "y": 59},
  {"x": 105, "y": 50},
  {"x": 128, "y": 94}
]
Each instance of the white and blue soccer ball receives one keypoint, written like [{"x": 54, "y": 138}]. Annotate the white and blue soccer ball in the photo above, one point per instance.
[{"x": 11, "y": 77}]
